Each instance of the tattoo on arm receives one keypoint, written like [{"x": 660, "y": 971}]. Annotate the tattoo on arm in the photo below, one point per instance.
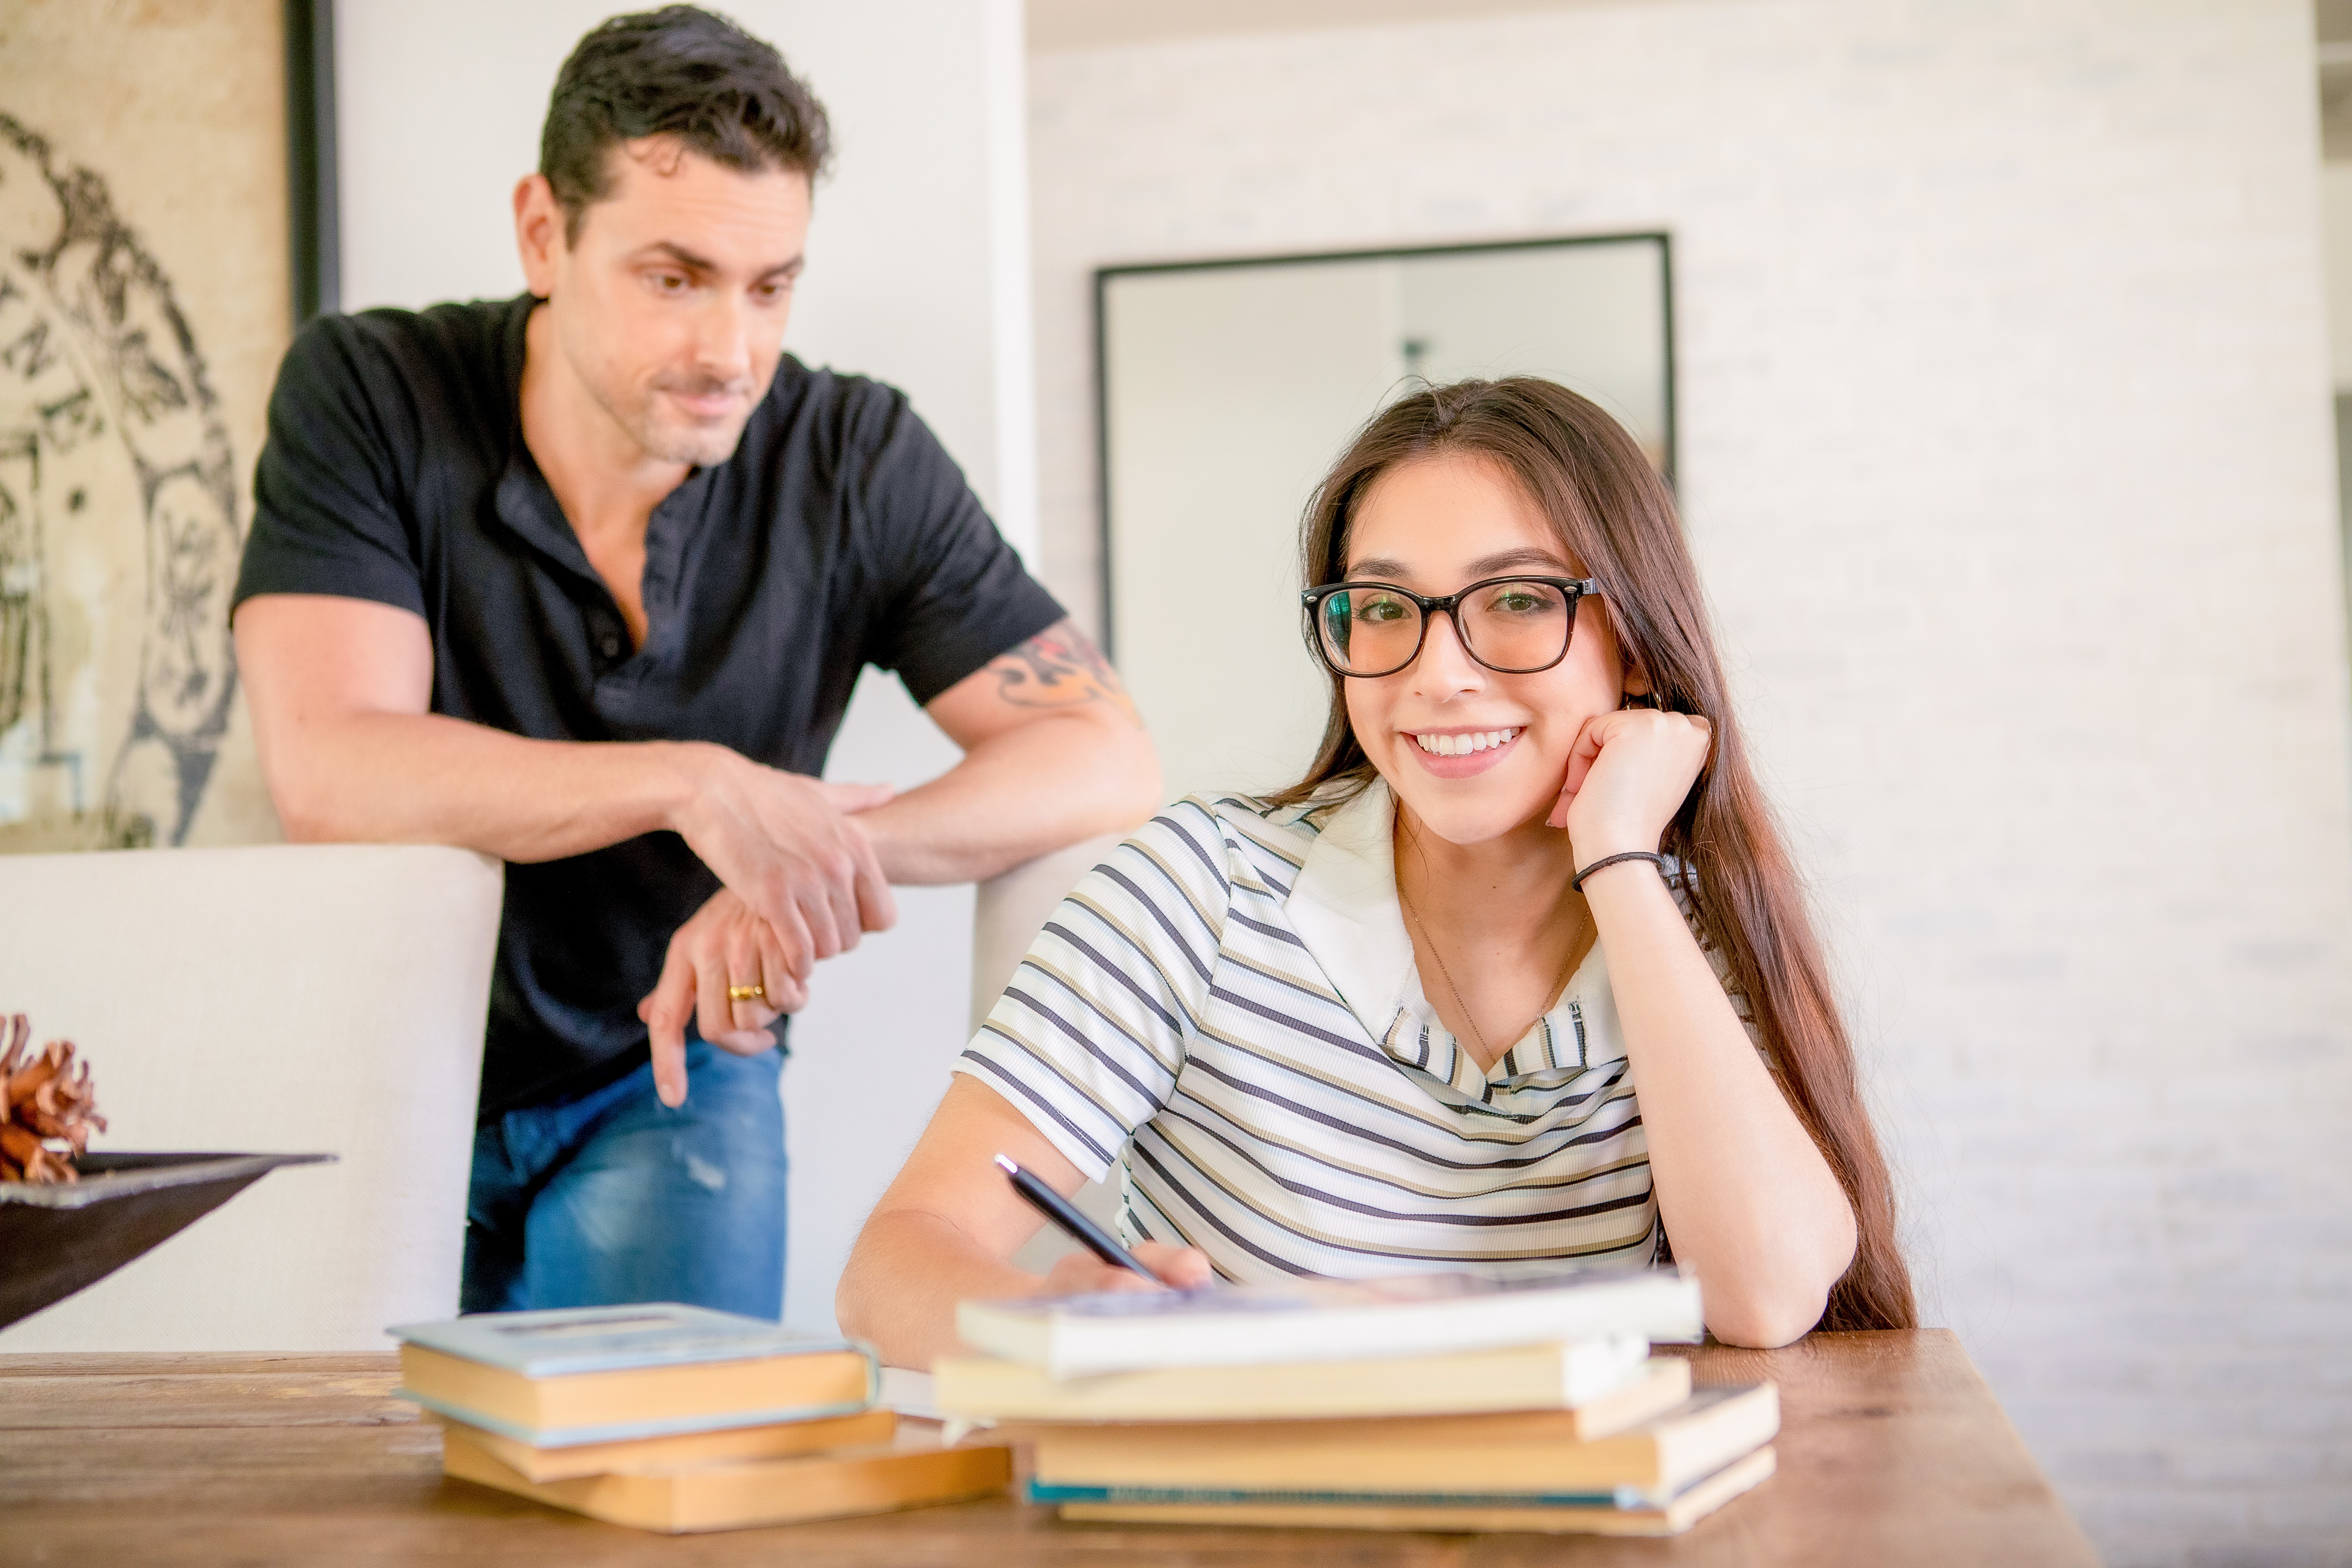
[{"x": 1059, "y": 667}]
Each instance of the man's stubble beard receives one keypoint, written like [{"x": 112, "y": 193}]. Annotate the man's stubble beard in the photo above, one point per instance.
[
  {"x": 669, "y": 443},
  {"x": 639, "y": 417}
]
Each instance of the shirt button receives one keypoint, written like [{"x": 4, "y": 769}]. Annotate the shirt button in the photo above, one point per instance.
[{"x": 611, "y": 644}]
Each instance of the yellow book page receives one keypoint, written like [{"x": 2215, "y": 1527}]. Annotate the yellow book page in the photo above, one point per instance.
[
  {"x": 638, "y": 1394},
  {"x": 737, "y": 1496},
  {"x": 781, "y": 1440}
]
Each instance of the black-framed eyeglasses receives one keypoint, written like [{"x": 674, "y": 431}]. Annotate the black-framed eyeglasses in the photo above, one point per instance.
[{"x": 1513, "y": 626}]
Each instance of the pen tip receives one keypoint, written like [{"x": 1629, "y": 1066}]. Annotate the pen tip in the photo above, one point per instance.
[{"x": 1007, "y": 1166}]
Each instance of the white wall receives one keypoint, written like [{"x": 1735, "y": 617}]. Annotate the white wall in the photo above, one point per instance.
[
  {"x": 2335, "y": 218},
  {"x": 2005, "y": 448},
  {"x": 917, "y": 275},
  {"x": 1218, "y": 434}
]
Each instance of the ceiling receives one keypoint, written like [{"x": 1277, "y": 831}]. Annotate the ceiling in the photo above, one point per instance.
[{"x": 1090, "y": 24}]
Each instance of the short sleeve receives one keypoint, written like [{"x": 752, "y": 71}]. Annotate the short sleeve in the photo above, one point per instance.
[
  {"x": 953, "y": 593},
  {"x": 1682, "y": 880},
  {"x": 327, "y": 512},
  {"x": 1088, "y": 1038}
]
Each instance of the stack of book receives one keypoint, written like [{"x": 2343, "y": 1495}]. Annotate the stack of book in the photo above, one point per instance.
[
  {"x": 1433, "y": 1402},
  {"x": 673, "y": 1418}
]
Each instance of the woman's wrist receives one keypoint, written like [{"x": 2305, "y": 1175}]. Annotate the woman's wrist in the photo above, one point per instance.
[
  {"x": 1593, "y": 846},
  {"x": 1600, "y": 865}
]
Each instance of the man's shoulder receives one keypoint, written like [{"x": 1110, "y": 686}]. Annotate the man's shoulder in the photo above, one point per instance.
[
  {"x": 839, "y": 409},
  {"x": 457, "y": 345}
]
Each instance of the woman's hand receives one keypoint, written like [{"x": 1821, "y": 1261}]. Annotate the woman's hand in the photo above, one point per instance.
[
  {"x": 1083, "y": 1274},
  {"x": 1628, "y": 773}
]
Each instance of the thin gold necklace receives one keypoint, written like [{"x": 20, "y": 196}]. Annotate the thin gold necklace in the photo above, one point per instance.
[{"x": 1455, "y": 992}]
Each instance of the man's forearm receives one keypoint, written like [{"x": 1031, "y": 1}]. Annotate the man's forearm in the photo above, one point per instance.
[
  {"x": 1016, "y": 795},
  {"x": 424, "y": 778}
]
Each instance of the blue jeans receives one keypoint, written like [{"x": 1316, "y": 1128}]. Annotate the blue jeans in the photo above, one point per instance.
[{"x": 613, "y": 1198}]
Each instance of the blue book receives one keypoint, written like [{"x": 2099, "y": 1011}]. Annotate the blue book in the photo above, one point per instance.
[
  {"x": 1615, "y": 1512},
  {"x": 603, "y": 1374}
]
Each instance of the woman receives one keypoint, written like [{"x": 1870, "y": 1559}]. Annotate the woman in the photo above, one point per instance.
[{"x": 1518, "y": 973}]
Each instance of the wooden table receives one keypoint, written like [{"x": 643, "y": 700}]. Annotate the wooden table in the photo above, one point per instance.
[{"x": 1892, "y": 1450}]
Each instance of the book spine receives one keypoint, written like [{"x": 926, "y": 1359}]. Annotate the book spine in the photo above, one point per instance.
[
  {"x": 1050, "y": 1492},
  {"x": 626, "y": 1431}
]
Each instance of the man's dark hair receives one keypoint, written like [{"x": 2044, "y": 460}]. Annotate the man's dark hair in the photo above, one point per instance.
[{"x": 679, "y": 71}]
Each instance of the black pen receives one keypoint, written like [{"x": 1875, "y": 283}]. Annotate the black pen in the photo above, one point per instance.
[{"x": 1075, "y": 1224}]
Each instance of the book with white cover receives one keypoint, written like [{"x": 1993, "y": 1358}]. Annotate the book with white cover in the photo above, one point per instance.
[
  {"x": 1598, "y": 1376},
  {"x": 1328, "y": 1320}
]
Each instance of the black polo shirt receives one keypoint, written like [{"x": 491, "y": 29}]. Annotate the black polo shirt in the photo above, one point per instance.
[{"x": 840, "y": 534}]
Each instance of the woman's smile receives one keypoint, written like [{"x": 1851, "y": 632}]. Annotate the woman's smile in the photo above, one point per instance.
[{"x": 1456, "y": 752}]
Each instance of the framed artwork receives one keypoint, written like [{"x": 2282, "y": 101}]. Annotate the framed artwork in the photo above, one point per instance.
[
  {"x": 166, "y": 216},
  {"x": 1228, "y": 387}
]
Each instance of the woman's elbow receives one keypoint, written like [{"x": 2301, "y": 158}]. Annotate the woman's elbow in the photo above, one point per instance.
[
  {"x": 1774, "y": 1308},
  {"x": 854, "y": 1298},
  {"x": 1754, "y": 1322}
]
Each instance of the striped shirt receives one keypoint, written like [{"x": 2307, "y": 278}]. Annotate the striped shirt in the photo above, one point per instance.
[{"x": 1228, "y": 1012}]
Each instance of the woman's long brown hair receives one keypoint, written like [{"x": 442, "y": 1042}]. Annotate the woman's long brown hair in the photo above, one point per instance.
[{"x": 1615, "y": 515}]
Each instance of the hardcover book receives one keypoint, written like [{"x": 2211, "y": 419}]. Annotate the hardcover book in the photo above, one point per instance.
[
  {"x": 600, "y": 1374},
  {"x": 1551, "y": 1513},
  {"x": 780, "y": 1440},
  {"x": 906, "y": 1474},
  {"x": 1329, "y": 1320},
  {"x": 1604, "y": 1386},
  {"x": 1533, "y": 1452}
]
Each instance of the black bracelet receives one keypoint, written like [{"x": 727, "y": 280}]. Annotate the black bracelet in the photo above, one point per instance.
[{"x": 1608, "y": 860}]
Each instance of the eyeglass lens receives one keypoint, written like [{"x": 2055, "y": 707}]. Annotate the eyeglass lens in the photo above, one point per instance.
[{"x": 1514, "y": 625}]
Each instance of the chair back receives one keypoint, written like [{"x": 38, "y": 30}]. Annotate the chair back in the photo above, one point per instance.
[
  {"x": 1009, "y": 912},
  {"x": 270, "y": 999},
  {"x": 1011, "y": 909}
]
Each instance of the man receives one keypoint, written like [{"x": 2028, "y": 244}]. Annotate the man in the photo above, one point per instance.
[{"x": 584, "y": 580}]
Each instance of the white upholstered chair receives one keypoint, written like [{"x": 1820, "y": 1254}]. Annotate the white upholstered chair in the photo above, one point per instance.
[
  {"x": 1009, "y": 911},
  {"x": 285, "y": 998},
  {"x": 1012, "y": 908}
]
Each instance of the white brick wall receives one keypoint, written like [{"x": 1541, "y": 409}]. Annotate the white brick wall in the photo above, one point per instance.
[{"x": 2006, "y": 448}]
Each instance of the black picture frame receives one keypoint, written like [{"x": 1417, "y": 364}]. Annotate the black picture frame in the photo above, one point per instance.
[
  {"x": 312, "y": 225},
  {"x": 1104, "y": 275}
]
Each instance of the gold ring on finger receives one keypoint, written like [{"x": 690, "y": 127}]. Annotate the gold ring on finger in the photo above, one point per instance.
[{"x": 746, "y": 993}]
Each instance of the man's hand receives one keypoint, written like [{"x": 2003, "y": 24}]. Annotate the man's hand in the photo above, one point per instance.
[
  {"x": 725, "y": 944},
  {"x": 800, "y": 884},
  {"x": 785, "y": 844},
  {"x": 1083, "y": 1274}
]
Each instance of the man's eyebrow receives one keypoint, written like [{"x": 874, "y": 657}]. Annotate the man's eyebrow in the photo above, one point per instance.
[
  {"x": 690, "y": 260},
  {"x": 679, "y": 253}
]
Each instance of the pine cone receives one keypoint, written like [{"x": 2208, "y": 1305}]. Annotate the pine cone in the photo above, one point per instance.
[{"x": 44, "y": 1101}]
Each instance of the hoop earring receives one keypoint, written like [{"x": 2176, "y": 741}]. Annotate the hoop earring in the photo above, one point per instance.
[{"x": 1639, "y": 699}]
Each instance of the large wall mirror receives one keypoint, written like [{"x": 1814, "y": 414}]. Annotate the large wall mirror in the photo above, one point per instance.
[{"x": 1227, "y": 387}]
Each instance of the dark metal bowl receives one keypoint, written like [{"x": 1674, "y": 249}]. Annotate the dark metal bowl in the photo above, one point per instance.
[{"x": 56, "y": 1239}]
